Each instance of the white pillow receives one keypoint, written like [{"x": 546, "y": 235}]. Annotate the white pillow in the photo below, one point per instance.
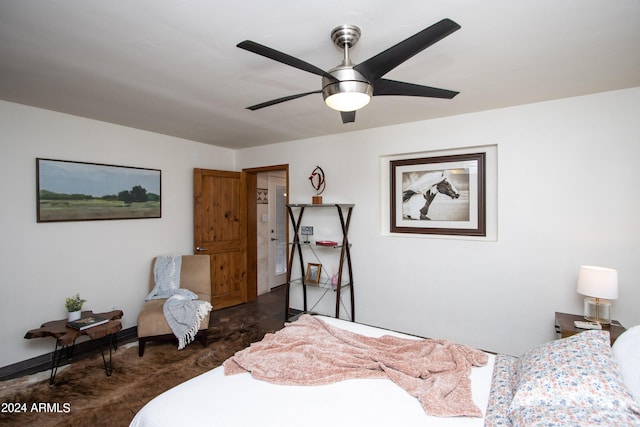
[{"x": 626, "y": 350}]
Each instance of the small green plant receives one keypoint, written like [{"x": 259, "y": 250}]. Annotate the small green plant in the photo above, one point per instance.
[{"x": 74, "y": 303}]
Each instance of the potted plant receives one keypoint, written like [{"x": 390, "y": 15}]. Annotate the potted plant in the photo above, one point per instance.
[{"x": 74, "y": 307}]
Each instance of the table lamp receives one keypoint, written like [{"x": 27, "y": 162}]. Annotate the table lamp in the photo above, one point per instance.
[{"x": 599, "y": 284}]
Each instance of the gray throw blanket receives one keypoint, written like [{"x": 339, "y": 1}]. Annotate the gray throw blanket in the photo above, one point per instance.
[
  {"x": 184, "y": 313},
  {"x": 166, "y": 276}
]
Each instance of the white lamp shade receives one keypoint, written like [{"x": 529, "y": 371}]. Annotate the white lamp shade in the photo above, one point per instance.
[{"x": 598, "y": 282}]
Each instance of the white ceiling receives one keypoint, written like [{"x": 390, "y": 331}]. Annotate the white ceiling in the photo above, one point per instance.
[{"x": 172, "y": 66}]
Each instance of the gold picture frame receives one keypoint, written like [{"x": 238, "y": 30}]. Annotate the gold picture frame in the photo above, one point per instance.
[{"x": 313, "y": 273}]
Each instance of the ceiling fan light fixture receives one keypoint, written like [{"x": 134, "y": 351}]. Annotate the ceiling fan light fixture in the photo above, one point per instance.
[
  {"x": 347, "y": 96},
  {"x": 348, "y": 87}
]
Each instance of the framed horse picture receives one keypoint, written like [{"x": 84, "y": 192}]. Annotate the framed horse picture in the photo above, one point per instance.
[{"x": 442, "y": 195}]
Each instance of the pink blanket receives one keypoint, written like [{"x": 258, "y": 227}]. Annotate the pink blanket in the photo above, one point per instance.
[{"x": 312, "y": 352}]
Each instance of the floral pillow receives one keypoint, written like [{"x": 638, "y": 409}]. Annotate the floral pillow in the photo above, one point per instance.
[{"x": 579, "y": 371}]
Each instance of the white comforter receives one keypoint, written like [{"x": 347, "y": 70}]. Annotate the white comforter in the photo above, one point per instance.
[{"x": 239, "y": 400}]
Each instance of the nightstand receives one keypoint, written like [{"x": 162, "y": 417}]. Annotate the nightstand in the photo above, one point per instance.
[{"x": 566, "y": 328}]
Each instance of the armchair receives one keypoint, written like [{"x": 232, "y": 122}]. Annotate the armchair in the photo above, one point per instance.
[{"x": 152, "y": 325}]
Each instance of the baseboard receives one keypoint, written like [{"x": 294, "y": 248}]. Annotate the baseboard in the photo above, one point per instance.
[{"x": 43, "y": 362}]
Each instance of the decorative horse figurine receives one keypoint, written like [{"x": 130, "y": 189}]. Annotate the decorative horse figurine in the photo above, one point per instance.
[{"x": 428, "y": 186}]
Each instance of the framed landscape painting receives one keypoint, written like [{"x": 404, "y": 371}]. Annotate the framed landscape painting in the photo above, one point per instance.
[
  {"x": 77, "y": 191},
  {"x": 439, "y": 195}
]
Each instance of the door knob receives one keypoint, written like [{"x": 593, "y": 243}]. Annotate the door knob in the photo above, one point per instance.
[
  {"x": 273, "y": 238},
  {"x": 199, "y": 249}
]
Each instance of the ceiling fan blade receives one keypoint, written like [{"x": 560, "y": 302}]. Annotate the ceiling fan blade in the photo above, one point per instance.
[
  {"x": 379, "y": 65},
  {"x": 279, "y": 100},
  {"x": 392, "y": 87},
  {"x": 282, "y": 57},
  {"x": 348, "y": 116}
]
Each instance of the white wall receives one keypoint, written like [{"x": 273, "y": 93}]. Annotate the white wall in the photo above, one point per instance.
[
  {"x": 108, "y": 262},
  {"x": 567, "y": 195},
  {"x": 567, "y": 178}
]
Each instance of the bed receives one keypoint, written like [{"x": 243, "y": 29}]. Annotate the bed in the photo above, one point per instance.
[{"x": 573, "y": 381}]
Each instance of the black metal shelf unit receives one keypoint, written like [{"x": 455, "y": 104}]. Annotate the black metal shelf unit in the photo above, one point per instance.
[{"x": 344, "y": 211}]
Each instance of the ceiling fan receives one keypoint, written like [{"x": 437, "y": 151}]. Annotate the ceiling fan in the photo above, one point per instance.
[{"x": 349, "y": 87}]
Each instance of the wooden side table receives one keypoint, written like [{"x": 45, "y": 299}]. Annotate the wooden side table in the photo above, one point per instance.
[
  {"x": 565, "y": 327},
  {"x": 66, "y": 337}
]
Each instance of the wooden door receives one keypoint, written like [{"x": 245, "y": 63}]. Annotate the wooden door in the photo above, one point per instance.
[{"x": 220, "y": 230}]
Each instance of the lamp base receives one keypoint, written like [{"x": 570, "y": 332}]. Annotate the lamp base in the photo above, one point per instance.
[{"x": 597, "y": 310}]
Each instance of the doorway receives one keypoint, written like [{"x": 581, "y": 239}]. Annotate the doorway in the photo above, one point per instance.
[
  {"x": 268, "y": 227},
  {"x": 271, "y": 230}
]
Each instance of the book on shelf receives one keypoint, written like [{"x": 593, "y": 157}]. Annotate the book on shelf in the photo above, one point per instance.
[{"x": 87, "y": 322}]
